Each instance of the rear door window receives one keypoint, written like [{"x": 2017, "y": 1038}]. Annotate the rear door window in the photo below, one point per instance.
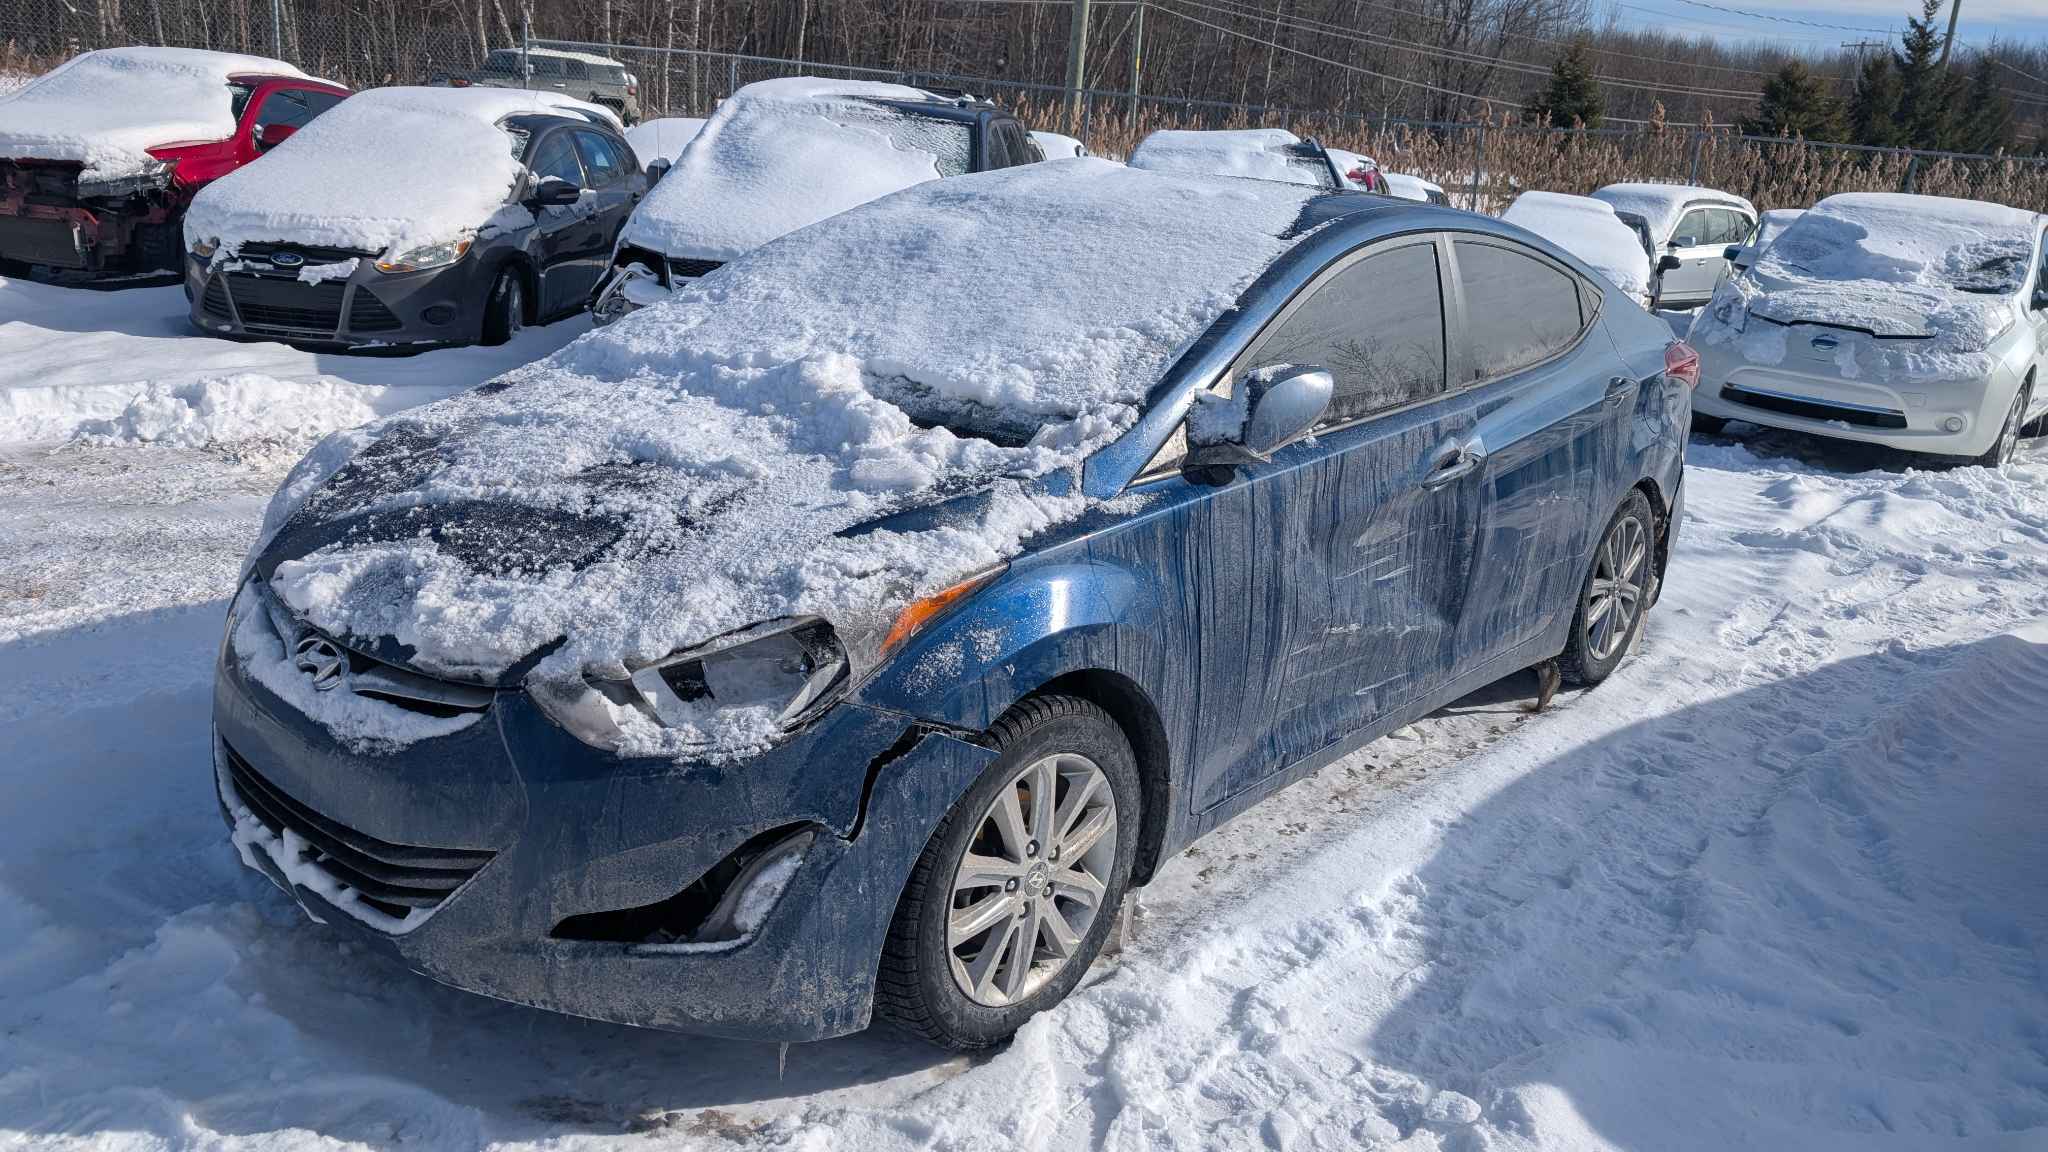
[
  {"x": 600, "y": 159},
  {"x": 576, "y": 69},
  {"x": 1520, "y": 309},
  {"x": 1376, "y": 323}
]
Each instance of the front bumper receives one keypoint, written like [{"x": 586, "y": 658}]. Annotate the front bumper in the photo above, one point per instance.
[
  {"x": 367, "y": 308},
  {"x": 1950, "y": 417},
  {"x": 551, "y": 829}
]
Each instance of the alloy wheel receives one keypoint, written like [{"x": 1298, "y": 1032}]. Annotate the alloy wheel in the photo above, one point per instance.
[
  {"x": 1617, "y": 592},
  {"x": 1032, "y": 879},
  {"x": 2009, "y": 436}
]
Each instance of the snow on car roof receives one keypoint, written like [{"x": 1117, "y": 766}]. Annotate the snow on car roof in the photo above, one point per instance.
[
  {"x": 780, "y": 154},
  {"x": 1663, "y": 204},
  {"x": 106, "y": 109},
  {"x": 663, "y": 138},
  {"x": 1588, "y": 229},
  {"x": 959, "y": 338},
  {"x": 1940, "y": 269},
  {"x": 568, "y": 54},
  {"x": 1252, "y": 153},
  {"x": 383, "y": 171}
]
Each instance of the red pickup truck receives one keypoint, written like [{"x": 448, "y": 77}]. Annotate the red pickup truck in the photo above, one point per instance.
[{"x": 99, "y": 158}]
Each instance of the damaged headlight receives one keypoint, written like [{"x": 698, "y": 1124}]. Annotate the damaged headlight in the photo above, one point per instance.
[
  {"x": 426, "y": 256},
  {"x": 154, "y": 174},
  {"x": 782, "y": 673},
  {"x": 204, "y": 249}
]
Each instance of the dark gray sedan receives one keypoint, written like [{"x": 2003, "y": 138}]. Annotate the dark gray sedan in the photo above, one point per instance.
[{"x": 309, "y": 264}]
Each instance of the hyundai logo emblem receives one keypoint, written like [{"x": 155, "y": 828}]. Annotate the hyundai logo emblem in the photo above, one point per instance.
[
  {"x": 1825, "y": 342},
  {"x": 317, "y": 657},
  {"x": 287, "y": 259}
]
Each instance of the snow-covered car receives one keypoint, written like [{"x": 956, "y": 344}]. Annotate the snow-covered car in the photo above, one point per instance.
[
  {"x": 851, "y": 635},
  {"x": 583, "y": 76},
  {"x": 1359, "y": 172},
  {"x": 1054, "y": 146},
  {"x": 1768, "y": 228},
  {"x": 99, "y": 157},
  {"x": 1691, "y": 229},
  {"x": 414, "y": 216},
  {"x": 1916, "y": 322},
  {"x": 1589, "y": 229},
  {"x": 663, "y": 138},
  {"x": 1252, "y": 153},
  {"x": 1414, "y": 188},
  {"x": 780, "y": 154}
]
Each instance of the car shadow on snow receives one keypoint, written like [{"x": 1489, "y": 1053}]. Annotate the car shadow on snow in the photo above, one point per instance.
[
  {"x": 1808, "y": 914},
  {"x": 1825, "y": 453}
]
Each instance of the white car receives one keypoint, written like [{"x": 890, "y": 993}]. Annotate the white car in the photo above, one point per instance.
[
  {"x": 1916, "y": 322},
  {"x": 1589, "y": 229},
  {"x": 663, "y": 138},
  {"x": 781, "y": 154},
  {"x": 1691, "y": 229},
  {"x": 1415, "y": 188},
  {"x": 1769, "y": 227}
]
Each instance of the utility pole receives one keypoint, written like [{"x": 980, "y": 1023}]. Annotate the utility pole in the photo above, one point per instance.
[
  {"x": 1137, "y": 63},
  {"x": 1077, "y": 61},
  {"x": 1955, "y": 8},
  {"x": 277, "y": 28}
]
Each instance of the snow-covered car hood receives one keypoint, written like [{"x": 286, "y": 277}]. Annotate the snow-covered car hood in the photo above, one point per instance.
[
  {"x": 723, "y": 458},
  {"x": 1939, "y": 270},
  {"x": 104, "y": 110},
  {"x": 1589, "y": 229},
  {"x": 780, "y": 154},
  {"x": 384, "y": 171}
]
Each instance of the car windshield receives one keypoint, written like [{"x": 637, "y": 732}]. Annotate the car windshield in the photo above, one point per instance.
[{"x": 1978, "y": 249}]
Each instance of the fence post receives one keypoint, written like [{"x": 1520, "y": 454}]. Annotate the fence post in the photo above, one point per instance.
[
  {"x": 1137, "y": 65},
  {"x": 1699, "y": 136},
  {"x": 1912, "y": 164},
  {"x": 732, "y": 75},
  {"x": 1478, "y": 162},
  {"x": 525, "y": 47},
  {"x": 277, "y": 28}
]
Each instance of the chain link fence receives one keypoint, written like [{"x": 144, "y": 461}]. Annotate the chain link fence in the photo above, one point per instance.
[{"x": 1482, "y": 165}]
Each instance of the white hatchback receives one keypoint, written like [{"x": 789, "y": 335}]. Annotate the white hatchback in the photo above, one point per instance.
[{"x": 1916, "y": 322}]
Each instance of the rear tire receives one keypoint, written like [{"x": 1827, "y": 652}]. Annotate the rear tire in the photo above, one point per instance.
[
  {"x": 989, "y": 933},
  {"x": 2007, "y": 445},
  {"x": 1708, "y": 425},
  {"x": 504, "y": 307},
  {"x": 1615, "y": 595}
]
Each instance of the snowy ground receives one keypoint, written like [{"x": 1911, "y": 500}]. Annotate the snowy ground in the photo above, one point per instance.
[{"x": 1778, "y": 884}]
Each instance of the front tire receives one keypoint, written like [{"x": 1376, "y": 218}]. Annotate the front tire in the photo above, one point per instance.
[
  {"x": 504, "y": 307},
  {"x": 1013, "y": 897},
  {"x": 1708, "y": 425},
  {"x": 1615, "y": 596},
  {"x": 2007, "y": 445}
]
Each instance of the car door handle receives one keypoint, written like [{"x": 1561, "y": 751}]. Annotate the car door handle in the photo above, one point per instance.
[{"x": 1453, "y": 461}]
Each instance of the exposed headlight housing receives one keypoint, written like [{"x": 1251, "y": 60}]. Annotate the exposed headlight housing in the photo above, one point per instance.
[
  {"x": 790, "y": 669},
  {"x": 204, "y": 249},
  {"x": 426, "y": 256},
  {"x": 154, "y": 174}
]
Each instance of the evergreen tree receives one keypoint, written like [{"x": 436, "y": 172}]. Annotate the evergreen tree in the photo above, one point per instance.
[
  {"x": 1796, "y": 103},
  {"x": 1987, "y": 122},
  {"x": 1573, "y": 96},
  {"x": 1874, "y": 105},
  {"x": 1926, "y": 93}
]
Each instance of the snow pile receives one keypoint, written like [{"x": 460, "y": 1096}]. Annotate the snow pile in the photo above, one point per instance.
[
  {"x": 1663, "y": 204},
  {"x": 780, "y": 154},
  {"x": 663, "y": 138},
  {"x": 384, "y": 171},
  {"x": 244, "y": 407},
  {"x": 1254, "y": 153},
  {"x": 1588, "y": 229},
  {"x": 106, "y": 109},
  {"x": 691, "y": 471},
  {"x": 1942, "y": 270}
]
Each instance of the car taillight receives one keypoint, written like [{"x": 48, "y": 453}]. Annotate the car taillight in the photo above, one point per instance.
[
  {"x": 1681, "y": 362},
  {"x": 458, "y": 82},
  {"x": 632, "y": 89}
]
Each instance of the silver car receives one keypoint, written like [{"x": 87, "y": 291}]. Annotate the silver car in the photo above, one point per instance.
[
  {"x": 1915, "y": 322},
  {"x": 1691, "y": 230}
]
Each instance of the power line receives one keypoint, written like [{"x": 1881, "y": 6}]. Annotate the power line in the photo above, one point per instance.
[{"x": 1781, "y": 19}]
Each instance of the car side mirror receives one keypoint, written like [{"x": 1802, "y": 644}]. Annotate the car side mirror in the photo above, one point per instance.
[
  {"x": 1732, "y": 252},
  {"x": 656, "y": 171},
  {"x": 2040, "y": 301},
  {"x": 554, "y": 192},
  {"x": 1684, "y": 241},
  {"x": 1269, "y": 409},
  {"x": 1670, "y": 263},
  {"x": 269, "y": 136}
]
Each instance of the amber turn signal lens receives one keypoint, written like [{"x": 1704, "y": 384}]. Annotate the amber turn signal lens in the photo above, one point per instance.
[{"x": 925, "y": 609}]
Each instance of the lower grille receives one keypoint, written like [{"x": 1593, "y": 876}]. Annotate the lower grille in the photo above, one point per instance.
[
  {"x": 215, "y": 302},
  {"x": 272, "y": 302},
  {"x": 395, "y": 879},
  {"x": 366, "y": 313},
  {"x": 691, "y": 269},
  {"x": 33, "y": 240},
  {"x": 1855, "y": 414}
]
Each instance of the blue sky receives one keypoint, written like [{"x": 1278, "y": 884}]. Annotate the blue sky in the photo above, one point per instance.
[{"x": 1982, "y": 19}]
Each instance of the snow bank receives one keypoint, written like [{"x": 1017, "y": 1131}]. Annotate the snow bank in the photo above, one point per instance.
[
  {"x": 384, "y": 171},
  {"x": 664, "y": 138},
  {"x": 780, "y": 154},
  {"x": 234, "y": 409},
  {"x": 1588, "y": 229},
  {"x": 1254, "y": 153},
  {"x": 1940, "y": 269},
  {"x": 106, "y": 109},
  {"x": 1663, "y": 204},
  {"x": 962, "y": 336}
]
